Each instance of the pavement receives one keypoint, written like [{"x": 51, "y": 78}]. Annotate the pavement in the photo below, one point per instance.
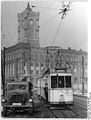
[{"x": 77, "y": 93}]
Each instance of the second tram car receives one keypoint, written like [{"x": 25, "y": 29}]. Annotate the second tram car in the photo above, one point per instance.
[{"x": 59, "y": 87}]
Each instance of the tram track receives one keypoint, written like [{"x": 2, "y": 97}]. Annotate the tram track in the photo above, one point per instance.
[
  {"x": 67, "y": 112},
  {"x": 75, "y": 111},
  {"x": 82, "y": 107},
  {"x": 79, "y": 105},
  {"x": 60, "y": 113}
]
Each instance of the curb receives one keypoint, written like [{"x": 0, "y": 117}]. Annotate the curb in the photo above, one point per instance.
[{"x": 80, "y": 95}]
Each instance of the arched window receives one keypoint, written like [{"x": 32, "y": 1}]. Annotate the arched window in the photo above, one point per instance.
[
  {"x": 62, "y": 57},
  {"x": 67, "y": 58},
  {"x": 75, "y": 58},
  {"x": 71, "y": 58},
  {"x": 18, "y": 55},
  {"x": 37, "y": 22},
  {"x": 25, "y": 55},
  {"x": 37, "y": 33}
]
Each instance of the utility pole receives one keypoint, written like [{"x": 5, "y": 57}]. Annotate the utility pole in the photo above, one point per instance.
[
  {"x": 3, "y": 78},
  {"x": 83, "y": 75}
]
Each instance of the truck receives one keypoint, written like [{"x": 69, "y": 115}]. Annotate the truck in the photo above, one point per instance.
[{"x": 18, "y": 97}]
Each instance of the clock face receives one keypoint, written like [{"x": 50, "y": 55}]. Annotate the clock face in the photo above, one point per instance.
[{"x": 31, "y": 21}]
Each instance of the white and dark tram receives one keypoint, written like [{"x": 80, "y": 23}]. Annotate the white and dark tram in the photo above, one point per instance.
[{"x": 59, "y": 84}]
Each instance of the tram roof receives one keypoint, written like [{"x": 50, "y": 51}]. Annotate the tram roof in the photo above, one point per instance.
[{"x": 56, "y": 73}]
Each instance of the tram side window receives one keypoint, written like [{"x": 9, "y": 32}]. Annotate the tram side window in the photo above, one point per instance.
[
  {"x": 68, "y": 81},
  {"x": 61, "y": 81},
  {"x": 53, "y": 81}
]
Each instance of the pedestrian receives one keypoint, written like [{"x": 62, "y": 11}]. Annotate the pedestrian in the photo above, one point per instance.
[{"x": 46, "y": 92}]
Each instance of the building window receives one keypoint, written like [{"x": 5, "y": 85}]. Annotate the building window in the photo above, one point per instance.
[
  {"x": 67, "y": 58},
  {"x": 75, "y": 58},
  {"x": 37, "y": 64},
  {"x": 32, "y": 55},
  {"x": 5, "y": 59},
  {"x": 6, "y": 69},
  {"x": 32, "y": 64},
  {"x": 37, "y": 72},
  {"x": 25, "y": 55},
  {"x": 8, "y": 58},
  {"x": 36, "y": 56},
  {"x": 31, "y": 71},
  {"x": 40, "y": 55},
  {"x": 37, "y": 21},
  {"x": 13, "y": 57},
  {"x": 10, "y": 69},
  {"x": 37, "y": 33},
  {"x": 62, "y": 57},
  {"x": 42, "y": 65},
  {"x": 18, "y": 55},
  {"x": 13, "y": 68},
  {"x": 28, "y": 55},
  {"x": 71, "y": 58},
  {"x": 19, "y": 67}
]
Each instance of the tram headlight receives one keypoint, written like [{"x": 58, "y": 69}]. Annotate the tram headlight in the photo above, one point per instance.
[
  {"x": 30, "y": 100},
  {"x": 61, "y": 98}
]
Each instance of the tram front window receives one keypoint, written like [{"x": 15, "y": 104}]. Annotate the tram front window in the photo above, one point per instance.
[
  {"x": 61, "y": 82},
  {"x": 53, "y": 81},
  {"x": 68, "y": 81}
]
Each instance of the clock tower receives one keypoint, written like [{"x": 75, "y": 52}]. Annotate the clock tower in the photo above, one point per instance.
[{"x": 28, "y": 27}]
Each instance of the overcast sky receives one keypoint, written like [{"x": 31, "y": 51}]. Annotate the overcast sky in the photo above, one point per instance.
[{"x": 72, "y": 32}]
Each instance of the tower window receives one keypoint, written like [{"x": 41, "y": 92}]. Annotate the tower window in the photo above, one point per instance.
[
  {"x": 37, "y": 22},
  {"x": 26, "y": 28},
  {"x": 18, "y": 31}
]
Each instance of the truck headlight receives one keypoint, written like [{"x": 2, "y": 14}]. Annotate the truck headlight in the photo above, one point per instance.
[
  {"x": 30, "y": 100},
  {"x": 3, "y": 100}
]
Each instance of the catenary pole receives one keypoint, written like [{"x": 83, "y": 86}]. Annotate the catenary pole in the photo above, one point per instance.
[{"x": 83, "y": 75}]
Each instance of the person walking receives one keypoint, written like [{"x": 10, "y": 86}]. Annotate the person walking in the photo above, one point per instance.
[{"x": 46, "y": 92}]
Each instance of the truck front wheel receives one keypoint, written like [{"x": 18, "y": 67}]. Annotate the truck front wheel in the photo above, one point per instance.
[
  {"x": 5, "y": 111},
  {"x": 30, "y": 111}
]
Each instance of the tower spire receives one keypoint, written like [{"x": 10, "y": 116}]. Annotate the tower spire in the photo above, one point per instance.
[{"x": 28, "y": 6}]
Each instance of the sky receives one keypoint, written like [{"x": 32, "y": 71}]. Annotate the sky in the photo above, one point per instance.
[{"x": 72, "y": 32}]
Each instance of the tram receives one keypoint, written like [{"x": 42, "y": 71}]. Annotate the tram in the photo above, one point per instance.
[{"x": 59, "y": 85}]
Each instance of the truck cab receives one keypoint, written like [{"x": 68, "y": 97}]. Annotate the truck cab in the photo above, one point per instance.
[{"x": 18, "y": 96}]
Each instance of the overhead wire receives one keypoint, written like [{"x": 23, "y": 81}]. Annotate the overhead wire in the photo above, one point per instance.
[
  {"x": 45, "y": 7},
  {"x": 67, "y": 6},
  {"x": 48, "y": 20},
  {"x": 57, "y": 31},
  {"x": 64, "y": 11}
]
